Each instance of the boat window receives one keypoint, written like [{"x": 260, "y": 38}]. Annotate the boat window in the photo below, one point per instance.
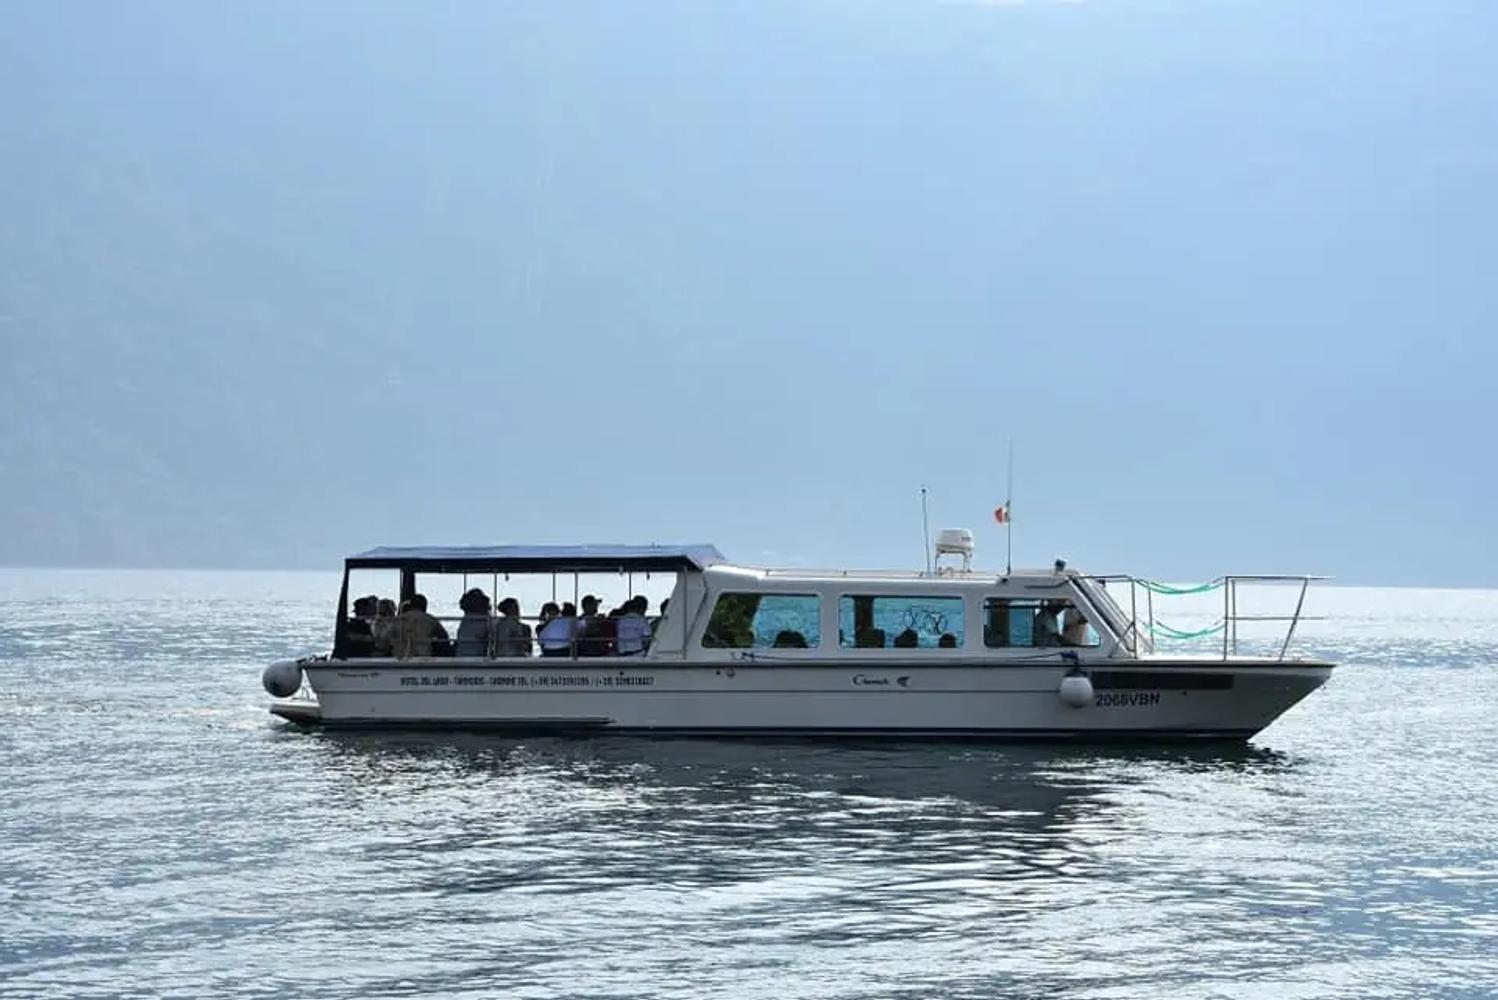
[
  {"x": 1030, "y": 622},
  {"x": 764, "y": 621},
  {"x": 880, "y": 622}
]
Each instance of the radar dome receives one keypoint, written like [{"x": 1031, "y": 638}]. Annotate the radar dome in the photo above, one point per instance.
[{"x": 955, "y": 542}]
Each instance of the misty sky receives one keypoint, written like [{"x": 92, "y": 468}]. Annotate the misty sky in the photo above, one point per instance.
[{"x": 279, "y": 282}]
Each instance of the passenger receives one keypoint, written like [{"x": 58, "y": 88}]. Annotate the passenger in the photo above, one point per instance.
[
  {"x": 1047, "y": 631},
  {"x": 605, "y": 633},
  {"x": 907, "y": 639},
  {"x": 384, "y": 627},
  {"x": 418, "y": 633},
  {"x": 594, "y": 638},
  {"x": 632, "y": 631},
  {"x": 474, "y": 629},
  {"x": 358, "y": 631},
  {"x": 559, "y": 633},
  {"x": 512, "y": 636},
  {"x": 1073, "y": 627},
  {"x": 789, "y": 639},
  {"x": 356, "y": 635},
  {"x": 642, "y": 603},
  {"x": 365, "y": 609},
  {"x": 947, "y": 641}
]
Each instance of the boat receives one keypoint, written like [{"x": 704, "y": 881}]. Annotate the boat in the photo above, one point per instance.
[{"x": 949, "y": 652}]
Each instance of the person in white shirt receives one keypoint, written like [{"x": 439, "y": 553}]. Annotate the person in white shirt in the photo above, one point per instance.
[
  {"x": 633, "y": 631},
  {"x": 557, "y": 635},
  {"x": 1073, "y": 627}
]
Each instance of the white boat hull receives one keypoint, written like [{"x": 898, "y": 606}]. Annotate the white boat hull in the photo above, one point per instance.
[{"x": 1152, "y": 697}]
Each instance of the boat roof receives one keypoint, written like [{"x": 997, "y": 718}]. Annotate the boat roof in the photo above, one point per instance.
[{"x": 536, "y": 558}]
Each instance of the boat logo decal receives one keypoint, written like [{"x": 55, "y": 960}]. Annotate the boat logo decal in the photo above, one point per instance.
[{"x": 864, "y": 680}]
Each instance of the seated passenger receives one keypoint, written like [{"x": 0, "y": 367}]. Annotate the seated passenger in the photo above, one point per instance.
[
  {"x": 473, "y": 630},
  {"x": 1047, "y": 631},
  {"x": 655, "y": 623},
  {"x": 594, "y": 639},
  {"x": 560, "y": 631},
  {"x": 907, "y": 639},
  {"x": 869, "y": 638},
  {"x": 947, "y": 641},
  {"x": 384, "y": 627},
  {"x": 512, "y": 636},
  {"x": 365, "y": 609},
  {"x": 358, "y": 631},
  {"x": 590, "y": 613},
  {"x": 418, "y": 633},
  {"x": 631, "y": 630},
  {"x": 790, "y": 639},
  {"x": 1073, "y": 627}
]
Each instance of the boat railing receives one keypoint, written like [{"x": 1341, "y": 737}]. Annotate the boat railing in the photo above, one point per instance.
[
  {"x": 580, "y": 646},
  {"x": 1139, "y": 627}
]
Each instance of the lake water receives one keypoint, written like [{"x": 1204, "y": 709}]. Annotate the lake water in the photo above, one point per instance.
[{"x": 160, "y": 835}]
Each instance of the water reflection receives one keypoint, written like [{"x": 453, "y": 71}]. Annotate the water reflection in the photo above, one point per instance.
[{"x": 692, "y": 813}]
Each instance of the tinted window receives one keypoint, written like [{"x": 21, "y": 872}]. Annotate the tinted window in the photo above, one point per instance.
[
  {"x": 870, "y": 622},
  {"x": 1028, "y": 622},
  {"x": 764, "y": 621}
]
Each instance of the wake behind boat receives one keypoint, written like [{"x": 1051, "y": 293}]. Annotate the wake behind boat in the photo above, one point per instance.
[{"x": 950, "y": 653}]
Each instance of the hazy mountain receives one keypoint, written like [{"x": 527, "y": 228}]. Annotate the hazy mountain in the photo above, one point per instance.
[{"x": 285, "y": 281}]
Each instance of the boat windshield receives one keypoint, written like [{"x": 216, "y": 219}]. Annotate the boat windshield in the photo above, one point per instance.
[{"x": 1095, "y": 589}]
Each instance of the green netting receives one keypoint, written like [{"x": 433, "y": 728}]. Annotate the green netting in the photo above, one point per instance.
[
  {"x": 1168, "y": 632},
  {"x": 1165, "y": 588}
]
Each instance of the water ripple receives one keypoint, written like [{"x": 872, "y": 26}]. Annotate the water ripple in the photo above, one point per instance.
[{"x": 162, "y": 837}]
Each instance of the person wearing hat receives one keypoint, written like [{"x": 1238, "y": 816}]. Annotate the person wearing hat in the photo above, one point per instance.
[
  {"x": 358, "y": 631},
  {"x": 595, "y": 635}
]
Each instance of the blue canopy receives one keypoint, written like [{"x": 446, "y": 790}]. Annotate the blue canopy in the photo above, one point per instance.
[{"x": 537, "y": 558}]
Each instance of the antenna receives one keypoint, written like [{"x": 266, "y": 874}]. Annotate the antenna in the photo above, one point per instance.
[
  {"x": 926, "y": 529},
  {"x": 1009, "y": 516}
]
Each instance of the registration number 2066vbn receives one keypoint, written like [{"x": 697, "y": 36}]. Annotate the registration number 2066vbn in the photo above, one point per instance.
[{"x": 1127, "y": 699}]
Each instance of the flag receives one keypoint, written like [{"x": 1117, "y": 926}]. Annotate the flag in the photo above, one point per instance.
[{"x": 1001, "y": 514}]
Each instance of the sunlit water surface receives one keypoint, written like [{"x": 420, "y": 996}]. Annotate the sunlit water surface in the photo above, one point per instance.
[{"x": 162, "y": 836}]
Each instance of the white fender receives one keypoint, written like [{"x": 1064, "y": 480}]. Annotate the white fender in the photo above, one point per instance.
[
  {"x": 1076, "y": 690},
  {"x": 282, "y": 678}
]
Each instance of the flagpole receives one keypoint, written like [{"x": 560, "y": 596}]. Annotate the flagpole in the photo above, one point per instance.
[
  {"x": 926, "y": 530},
  {"x": 1009, "y": 516}
]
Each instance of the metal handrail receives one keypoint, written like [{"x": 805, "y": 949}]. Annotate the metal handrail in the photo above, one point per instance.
[{"x": 1131, "y": 638}]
